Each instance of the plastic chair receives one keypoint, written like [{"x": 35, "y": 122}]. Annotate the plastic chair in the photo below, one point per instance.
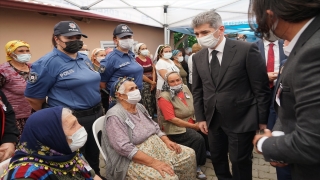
[
  {"x": 4, "y": 165},
  {"x": 96, "y": 128}
]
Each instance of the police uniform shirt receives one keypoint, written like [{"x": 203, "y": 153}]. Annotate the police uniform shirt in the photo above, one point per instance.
[
  {"x": 118, "y": 64},
  {"x": 67, "y": 82}
]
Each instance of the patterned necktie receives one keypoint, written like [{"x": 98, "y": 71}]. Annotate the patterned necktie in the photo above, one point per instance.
[
  {"x": 270, "y": 63},
  {"x": 215, "y": 67}
]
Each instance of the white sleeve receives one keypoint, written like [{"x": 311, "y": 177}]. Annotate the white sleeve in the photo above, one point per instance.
[{"x": 161, "y": 65}]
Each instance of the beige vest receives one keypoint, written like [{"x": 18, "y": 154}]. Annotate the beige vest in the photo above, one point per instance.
[{"x": 180, "y": 110}]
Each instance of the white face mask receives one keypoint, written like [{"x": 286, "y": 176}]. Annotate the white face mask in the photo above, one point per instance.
[
  {"x": 84, "y": 52},
  {"x": 134, "y": 96},
  {"x": 126, "y": 43},
  {"x": 167, "y": 55},
  {"x": 100, "y": 58},
  {"x": 22, "y": 58},
  {"x": 79, "y": 138},
  {"x": 180, "y": 58},
  {"x": 209, "y": 41},
  {"x": 177, "y": 87},
  {"x": 144, "y": 52},
  {"x": 286, "y": 51}
]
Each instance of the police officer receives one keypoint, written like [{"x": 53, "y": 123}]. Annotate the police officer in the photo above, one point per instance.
[
  {"x": 67, "y": 78},
  {"x": 121, "y": 61}
]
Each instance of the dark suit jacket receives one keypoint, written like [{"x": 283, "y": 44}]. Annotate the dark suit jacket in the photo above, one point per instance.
[
  {"x": 299, "y": 112},
  {"x": 242, "y": 92},
  {"x": 260, "y": 45}
]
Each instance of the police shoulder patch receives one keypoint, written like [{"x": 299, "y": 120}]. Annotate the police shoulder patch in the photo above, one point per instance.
[
  {"x": 102, "y": 68},
  {"x": 33, "y": 77}
]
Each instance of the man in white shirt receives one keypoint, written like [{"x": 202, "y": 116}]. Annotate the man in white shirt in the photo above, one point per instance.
[{"x": 297, "y": 101}]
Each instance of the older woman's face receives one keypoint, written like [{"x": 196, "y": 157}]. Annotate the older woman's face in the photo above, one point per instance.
[
  {"x": 22, "y": 50},
  {"x": 70, "y": 125},
  {"x": 174, "y": 79},
  {"x": 129, "y": 86}
]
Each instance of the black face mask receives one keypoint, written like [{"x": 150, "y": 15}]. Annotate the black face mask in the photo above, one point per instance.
[{"x": 73, "y": 46}]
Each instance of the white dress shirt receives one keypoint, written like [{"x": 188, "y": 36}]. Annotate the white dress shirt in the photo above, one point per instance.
[
  {"x": 220, "y": 49},
  {"x": 276, "y": 53}
]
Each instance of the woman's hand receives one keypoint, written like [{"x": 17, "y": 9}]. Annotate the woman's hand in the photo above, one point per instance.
[
  {"x": 153, "y": 85},
  {"x": 7, "y": 150},
  {"x": 173, "y": 146},
  {"x": 162, "y": 167}
]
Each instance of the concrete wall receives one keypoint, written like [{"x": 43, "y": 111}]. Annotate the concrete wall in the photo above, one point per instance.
[{"x": 37, "y": 30}]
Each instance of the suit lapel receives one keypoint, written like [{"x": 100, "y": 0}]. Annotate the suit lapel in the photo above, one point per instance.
[
  {"x": 205, "y": 64},
  {"x": 227, "y": 57},
  {"x": 261, "y": 48}
]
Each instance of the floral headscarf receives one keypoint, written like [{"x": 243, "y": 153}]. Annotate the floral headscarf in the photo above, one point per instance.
[{"x": 11, "y": 46}]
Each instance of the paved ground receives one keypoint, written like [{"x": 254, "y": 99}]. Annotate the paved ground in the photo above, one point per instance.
[{"x": 261, "y": 170}]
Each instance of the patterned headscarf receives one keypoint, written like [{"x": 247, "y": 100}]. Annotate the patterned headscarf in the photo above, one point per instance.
[
  {"x": 11, "y": 46},
  {"x": 166, "y": 87},
  {"x": 175, "y": 52},
  {"x": 115, "y": 87},
  {"x": 43, "y": 146}
]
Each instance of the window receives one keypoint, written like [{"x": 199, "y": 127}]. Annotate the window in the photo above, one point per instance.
[{"x": 110, "y": 44}]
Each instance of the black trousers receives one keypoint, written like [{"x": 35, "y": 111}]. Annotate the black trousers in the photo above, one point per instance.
[
  {"x": 238, "y": 145},
  {"x": 90, "y": 149},
  {"x": 193, "y": 140}
]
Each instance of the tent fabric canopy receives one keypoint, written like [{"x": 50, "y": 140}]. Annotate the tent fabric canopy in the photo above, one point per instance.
[{"x": 175, "y": 15}]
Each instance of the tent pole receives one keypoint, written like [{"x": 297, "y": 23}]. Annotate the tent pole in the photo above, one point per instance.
[{"x": 165, "y": 24}]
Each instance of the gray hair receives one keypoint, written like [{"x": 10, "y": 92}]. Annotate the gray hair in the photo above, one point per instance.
[
  {"x": 65, "y": 112},
  {"x": 209, "y": 17}
]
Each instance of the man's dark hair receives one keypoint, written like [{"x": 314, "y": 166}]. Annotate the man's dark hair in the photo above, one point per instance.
[{"x": 293, "y": 11}]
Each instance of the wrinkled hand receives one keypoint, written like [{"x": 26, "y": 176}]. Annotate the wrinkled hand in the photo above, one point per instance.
[
  {"x": 7, "y": 150},
  {"x": 262, "y": 126},
  {"x": 173, "y": 146},
  {"x": 275, "y": 164},
  {"x": 272, "y": 76},
  {"x": 203, "y": 127},
  {"x": 196, "y": 127},
  {"x": 257, "y": 137},
  {"x": 162, "y": 167}
]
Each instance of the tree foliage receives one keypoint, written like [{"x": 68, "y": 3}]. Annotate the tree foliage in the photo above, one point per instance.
[{"x": 191, "y": 40}]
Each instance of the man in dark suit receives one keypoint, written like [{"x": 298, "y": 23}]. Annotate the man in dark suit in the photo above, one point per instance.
[
  {"x": 231, "y": 95},
  {"x": 297, "y": 101},
  {"x": 272, "y": 52}
]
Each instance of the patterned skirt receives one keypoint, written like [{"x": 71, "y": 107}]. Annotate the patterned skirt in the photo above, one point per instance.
[
  {"x": 183, "y": 164},
  {"x": 148, "y": 98},
  {"x": 20, "y": 124}
]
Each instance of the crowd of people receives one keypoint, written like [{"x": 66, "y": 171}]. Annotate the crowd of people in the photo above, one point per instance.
[{"x": 166, "y": 114}]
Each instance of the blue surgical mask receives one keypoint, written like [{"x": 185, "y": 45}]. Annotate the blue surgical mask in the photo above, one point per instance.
[{"x": 23, "y": 58}]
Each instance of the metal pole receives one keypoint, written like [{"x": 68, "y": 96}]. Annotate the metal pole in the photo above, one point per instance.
[{"x": 165, "y": 24}]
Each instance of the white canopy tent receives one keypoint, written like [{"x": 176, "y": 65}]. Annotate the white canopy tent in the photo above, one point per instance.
[{"x": 169, "y": 14}]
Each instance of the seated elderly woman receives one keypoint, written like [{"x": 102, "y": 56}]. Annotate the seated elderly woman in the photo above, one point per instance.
[
  {"x": 176, "y": 105},
  {"x": 134, "y": 144},
  {"x": 49, "y": 148}
]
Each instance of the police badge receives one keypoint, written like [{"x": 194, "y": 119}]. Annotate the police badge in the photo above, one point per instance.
[
  {"x": 102, "y": 68},
  {"x": 33, "y": 77}
]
